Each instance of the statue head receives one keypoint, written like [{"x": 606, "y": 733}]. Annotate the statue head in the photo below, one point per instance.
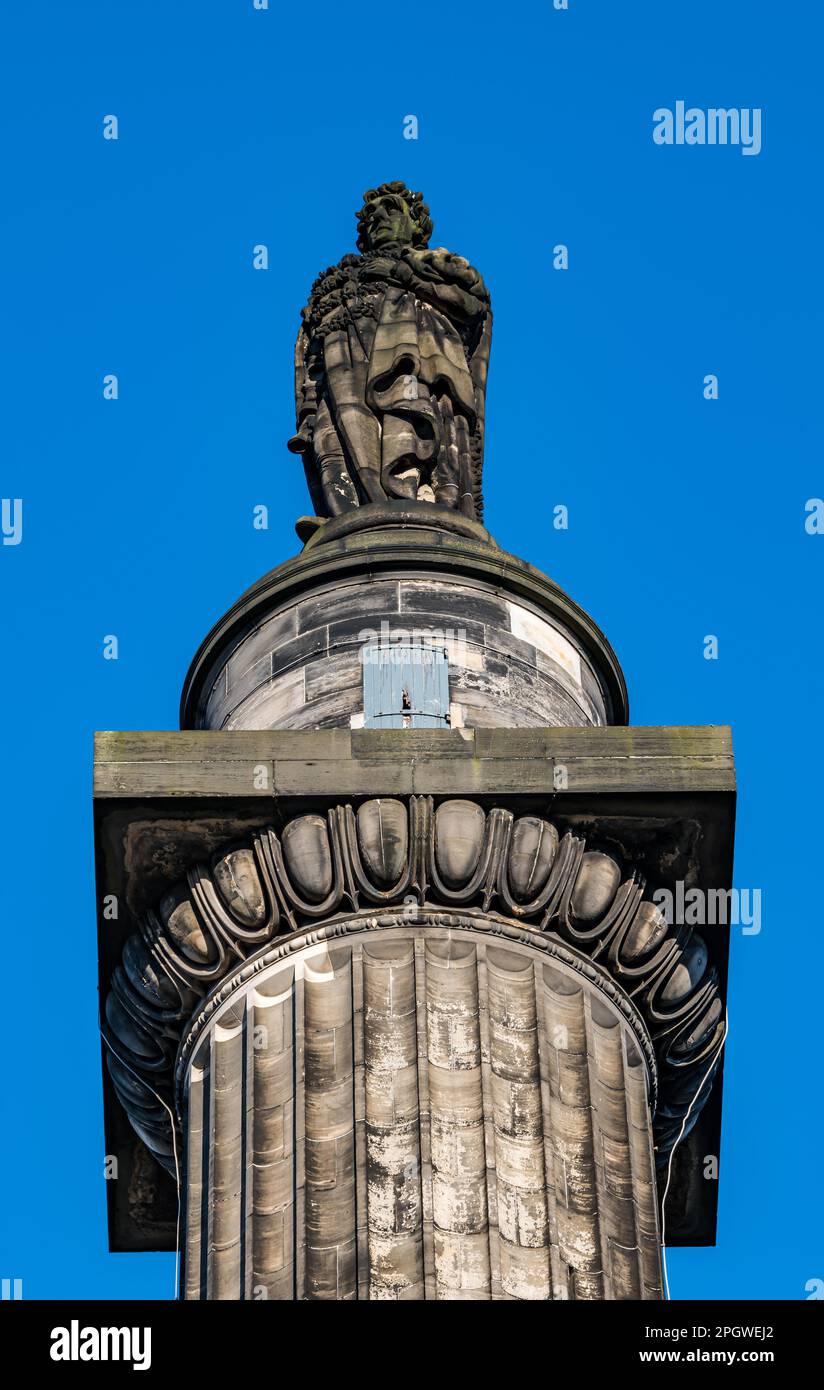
[{"x": 392, "y": 215}]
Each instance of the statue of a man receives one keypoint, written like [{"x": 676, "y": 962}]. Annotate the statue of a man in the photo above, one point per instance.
[{"x": 390, "y": 367}]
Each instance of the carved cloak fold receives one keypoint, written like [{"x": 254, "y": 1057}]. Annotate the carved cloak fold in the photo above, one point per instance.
[{"x": 394, "y": 408}]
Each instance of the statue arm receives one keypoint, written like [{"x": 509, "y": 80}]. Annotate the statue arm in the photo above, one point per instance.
[
  {"x": 479, "y": 359},
  {"x": 446, "y": 281}
]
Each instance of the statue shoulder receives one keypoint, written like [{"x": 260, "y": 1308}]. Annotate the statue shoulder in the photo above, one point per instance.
[{"x": 331, "y": 291}]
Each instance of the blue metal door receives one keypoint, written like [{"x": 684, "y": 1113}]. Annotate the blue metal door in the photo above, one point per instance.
[{"x": 405, "y": 686}]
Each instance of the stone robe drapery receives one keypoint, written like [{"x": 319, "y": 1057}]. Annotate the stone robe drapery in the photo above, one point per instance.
[{"x": 390, "y": 403}]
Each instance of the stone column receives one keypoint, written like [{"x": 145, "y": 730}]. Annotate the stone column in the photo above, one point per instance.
[{"x": 423, "y": 1030}]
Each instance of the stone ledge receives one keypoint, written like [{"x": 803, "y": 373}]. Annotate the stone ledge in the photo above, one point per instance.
[{"x": 382, "y": 761}]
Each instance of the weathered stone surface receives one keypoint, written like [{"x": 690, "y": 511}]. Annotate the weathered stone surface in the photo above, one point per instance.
[
  {"x": 689, "y": 971},
  {"x": 595, "y": 887},
  {"x": 597, "y": 762},
  {"x": 459, "y": 832},
  {"x": 392, "y": 1121},
  {"x": 308, "y": 856},
  {"x": 177, "y": 916},
  {"x": 277, "y": 629},
  {"x": 458, "y": 854},
  {"x": 486, "y": 606},
  {"x": 496, "y": 1158},
  {"x": 383, "y": 831},
  {"x": 271, "y": 705},
  {"x": 336, "y": 679},
  {"x": 532, "y": 853},
  {"x": 136, "y": 1039},
  {"x": 352, "y": 602},
  {"x": 648, "y": 931},
  {"x": 390, "y": 368},
  {"x": 495, "y": 677},
  {"x": 329, "y": 1129},
  {"x": 425, "y": 601},
  {"x": 239, "y": 882}
]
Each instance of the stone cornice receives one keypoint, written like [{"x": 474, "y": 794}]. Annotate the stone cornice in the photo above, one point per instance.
[{"x": 637, "y": 761}]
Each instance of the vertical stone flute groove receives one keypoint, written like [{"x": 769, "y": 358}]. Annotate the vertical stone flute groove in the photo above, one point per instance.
[
  {"x": 424, "y": 1108},
  {"x": 559, "y": 1272},
  {"x": 361, "y": 1192},
  {"x": 518, "y": 1119},
  {"x": 196, "y": 1214},
  {"x": 613, "y": 1168},
  {"x": 576, "y": 1202},
  {"x": 419, "y": 1116},
  {"x": 331, "y": 1262},
  {"x": 228, "y": 1041},
  {"x": 273, "y": 1156},
  {"x": 489, "y": 1130},
  {"x": 299, "y": 1226},
  {"x": 395, "y": 1217},
  {"x": 459, "y": 1197},
  {"x": 643, "y": 1175}
]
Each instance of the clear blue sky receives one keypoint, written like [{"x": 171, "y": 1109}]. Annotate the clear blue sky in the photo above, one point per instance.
[{"x": 240, "y": 127}]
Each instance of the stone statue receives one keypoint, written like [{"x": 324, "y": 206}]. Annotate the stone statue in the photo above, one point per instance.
[{"x": 390, "y": 368}]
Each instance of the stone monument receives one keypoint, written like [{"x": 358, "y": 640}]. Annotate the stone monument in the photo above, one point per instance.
[
  {"x": 390, "y": 368},
  {"x": 388, "y": 999}
]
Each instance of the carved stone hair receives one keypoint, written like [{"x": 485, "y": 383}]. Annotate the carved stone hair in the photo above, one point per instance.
[{"x": 418, "y": 211}]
